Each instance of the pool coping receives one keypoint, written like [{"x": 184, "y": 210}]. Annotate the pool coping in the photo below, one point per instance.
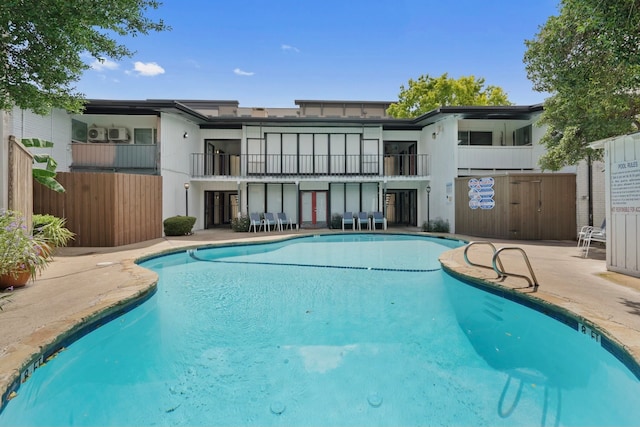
[{"x": 146, "y": 287}]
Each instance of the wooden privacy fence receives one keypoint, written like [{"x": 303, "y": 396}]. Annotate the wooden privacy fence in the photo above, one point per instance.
[
  {"x": 518, "y": 206},
  {"x": 19, "y": 179},
  {"x": 105, "y": 209}
]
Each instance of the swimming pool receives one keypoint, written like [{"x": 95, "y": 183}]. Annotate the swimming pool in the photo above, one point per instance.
[{"x": 353, "y": 329}]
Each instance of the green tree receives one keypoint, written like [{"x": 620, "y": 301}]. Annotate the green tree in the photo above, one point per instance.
[
  {"x": 427, "y": 93},
  {"x": 42, "y": 43},
  {"x": 47, "y": 175},
  {"x": 588, "y": 59}
]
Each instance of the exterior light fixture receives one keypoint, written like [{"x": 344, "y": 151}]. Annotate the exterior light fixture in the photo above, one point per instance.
[
  {"x": 185, "y": 136},
  {"x": 186, "y": 197}
]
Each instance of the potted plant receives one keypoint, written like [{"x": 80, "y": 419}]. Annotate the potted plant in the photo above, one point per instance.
[
  {"x": 51, "y": 230},
  {"x": 21, "y": 254}
]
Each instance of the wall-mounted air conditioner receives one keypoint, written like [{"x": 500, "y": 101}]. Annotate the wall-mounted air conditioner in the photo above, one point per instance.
[
  {"x": 118, "y": 134},
  {"x": 97, "y": 134}
]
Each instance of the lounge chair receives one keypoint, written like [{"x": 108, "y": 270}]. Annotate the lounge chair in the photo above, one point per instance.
[
  {"x": 595, "y": 234},
  {"x": 347, "y": 219},
  {"x": 283, "y": 221},
  {"x": 269, "y": 221},
  {"x": 255, "y": 222},
  {"x": 378, "y": 218},
  {"x": 363, "y": 218}
]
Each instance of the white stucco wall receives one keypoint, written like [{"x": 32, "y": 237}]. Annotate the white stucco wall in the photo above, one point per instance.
[
  {"x": 55, "y": 127},
  {"x": 597, "y": 194},
  {"x": 5, "y": 120},
  {"x": 443, "y": 166},
  {"x": 175, "y": 158}
]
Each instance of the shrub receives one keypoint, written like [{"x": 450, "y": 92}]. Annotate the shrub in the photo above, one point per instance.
[
  {"x": 437, "y": 225},
  {"x": 52, "y": 230},
  {"x": 179, "y": 225},
  {"x": 19, "y": 250},
  {"x": 240, "y": 223},
  {"x": 336, "y": 221}
]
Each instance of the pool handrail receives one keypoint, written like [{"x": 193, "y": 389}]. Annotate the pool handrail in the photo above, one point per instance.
[
  {"x": 483, "y": 242},
  {"x": 533, "y": 282}
]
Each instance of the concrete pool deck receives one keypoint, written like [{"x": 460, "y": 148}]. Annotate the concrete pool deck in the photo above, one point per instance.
[{"x": 82, "y": 284}]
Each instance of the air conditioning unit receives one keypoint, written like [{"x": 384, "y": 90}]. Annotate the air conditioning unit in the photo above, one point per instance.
[
  {"x": 97, "y": 134},
  {"x": 118, "y": 134}
]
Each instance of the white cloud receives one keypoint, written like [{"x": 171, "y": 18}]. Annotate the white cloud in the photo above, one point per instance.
[
  {"x": 104, "y": 64},
  {"x": 148, "y": 69},
  {"x": 289, "y": 48},
  {"x": 239, "y": 72}
]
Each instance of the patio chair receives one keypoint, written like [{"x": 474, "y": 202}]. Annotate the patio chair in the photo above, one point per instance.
[
  {"x": 595, "y": 234},
  {"x": 588, "y": 228},
  {"x": 347, "y": 219},
  {"x": 378, "y": 218},
  {"x": 283, "y": 221},
  {"x": 269, "y": 220},
  {"x": 363, "y": 218},
  {"x": 255, "y": 222}
]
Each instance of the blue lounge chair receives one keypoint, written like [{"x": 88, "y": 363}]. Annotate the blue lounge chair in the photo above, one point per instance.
[
  {"x": 362, "y": 219},
  {"x": 283, "y": 221},
  {"x": 255, "y": 222},
  {"x": 378, "y": 218},
  {"x": 269, "y": 221},
  {"x": 347, "y": 219}
]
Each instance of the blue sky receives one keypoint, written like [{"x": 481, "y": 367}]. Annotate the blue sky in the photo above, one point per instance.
[{"x": 270, "y": 53}]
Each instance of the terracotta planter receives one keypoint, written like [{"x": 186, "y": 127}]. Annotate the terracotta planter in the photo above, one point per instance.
[{"x": 21, "y": 279}]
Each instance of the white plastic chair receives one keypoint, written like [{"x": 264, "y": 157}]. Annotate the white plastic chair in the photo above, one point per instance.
[
  {"x": 593, "y": 234},
  {"x": 586, "y": 229}
]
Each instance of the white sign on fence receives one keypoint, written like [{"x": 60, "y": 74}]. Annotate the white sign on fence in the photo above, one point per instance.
[{"x": 481, "y": 193}]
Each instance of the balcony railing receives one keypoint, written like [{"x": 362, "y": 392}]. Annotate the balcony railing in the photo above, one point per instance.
[
  {"x": 113, "y": 156},
  {"x": 276, "y": 165},
  {"x": 491, "y": 157}
]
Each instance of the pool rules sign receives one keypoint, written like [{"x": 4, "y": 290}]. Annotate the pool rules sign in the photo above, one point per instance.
[{"x": 481, "y": 193}]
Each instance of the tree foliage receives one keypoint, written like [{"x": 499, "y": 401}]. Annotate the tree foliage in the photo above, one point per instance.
[
  {"x": 588, "y": 60},
  {"x": 42, "y": 44},
  {"x": 47, "y": 175},
  {"x": 427, "y": 93}
]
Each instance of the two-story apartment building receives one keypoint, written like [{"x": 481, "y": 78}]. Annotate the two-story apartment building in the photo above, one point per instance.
[{"x": 314, "y": 161}]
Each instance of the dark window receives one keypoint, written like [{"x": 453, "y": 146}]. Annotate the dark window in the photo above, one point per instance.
[
  {"x": 144, "y": 136},
  {"x": 466, "y": 137},
  {"x": 522, "y": 136}
]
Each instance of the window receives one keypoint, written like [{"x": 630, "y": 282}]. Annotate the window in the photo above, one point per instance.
[
  {"x": 522, "y": 136},
  {"x": 466, "y": 137},
  {"x": 144, "y": 136}
]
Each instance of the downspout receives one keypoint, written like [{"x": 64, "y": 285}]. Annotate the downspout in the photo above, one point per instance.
[{"x": 590, "y": 188}]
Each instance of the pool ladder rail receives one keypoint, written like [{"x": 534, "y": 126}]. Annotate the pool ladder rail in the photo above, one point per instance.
[{"x": 496, "y": 262}]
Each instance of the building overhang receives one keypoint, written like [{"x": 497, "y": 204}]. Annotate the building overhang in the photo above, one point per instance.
[{"x": 188, "y": 110}]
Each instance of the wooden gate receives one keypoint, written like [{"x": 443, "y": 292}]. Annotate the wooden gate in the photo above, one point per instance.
[{"x": 105, "y": 209}]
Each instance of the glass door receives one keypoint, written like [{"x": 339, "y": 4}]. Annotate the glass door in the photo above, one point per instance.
[{"x": 314, "y": 209}]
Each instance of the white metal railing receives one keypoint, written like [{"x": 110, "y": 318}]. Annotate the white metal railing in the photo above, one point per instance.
[{"x": 258, "y": 165}]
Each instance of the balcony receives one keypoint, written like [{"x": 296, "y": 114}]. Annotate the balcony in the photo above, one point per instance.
[
  {"x": 276, "y": 165},
  {"x": 114, "y": 157},
  {"x": 495, "y": 158}
]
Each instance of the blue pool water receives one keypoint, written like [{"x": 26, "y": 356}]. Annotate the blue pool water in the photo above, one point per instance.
[{"x": 341, "y": 330}]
